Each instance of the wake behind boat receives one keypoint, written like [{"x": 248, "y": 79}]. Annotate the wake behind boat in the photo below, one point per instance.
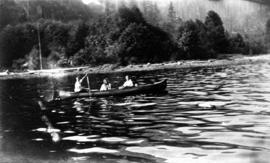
[{"x": 142, "y": 89}]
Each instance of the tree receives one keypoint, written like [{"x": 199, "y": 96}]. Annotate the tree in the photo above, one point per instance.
[
  {"x": 109, "y": 8},
  {"x": 237, "y": 44},
  {"x": 16, "y": 42},
  {"x": 142, "y": 43},
  {"x": 76, "y": 38},
  {"x": 267, "y": 35},
  {"x": 172, "y": 22},
  {"x": 128, "y": 16},
  {"x": 11, "y": 13},
  {"x": 188, "y": 39},
  {"x": 215, "y": 32},
  {"x": 171, "y": 14},
  {"x": 151, "y": 12}
]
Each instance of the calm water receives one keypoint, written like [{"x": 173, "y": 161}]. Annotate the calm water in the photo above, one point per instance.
[{"x": 208, "y": 115}]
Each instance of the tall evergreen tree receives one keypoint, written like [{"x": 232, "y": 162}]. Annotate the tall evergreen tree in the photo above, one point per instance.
[
  {"x": 11, "y": 13},
  {"x": 171, "y": 24},
  {"x": 171, "y": 14},
  {"x": 151, "y": 12},
  {"x": 188, "y": 39},
  {"x": 215, "y": 31},
  {"x": 267, "y": 33}
]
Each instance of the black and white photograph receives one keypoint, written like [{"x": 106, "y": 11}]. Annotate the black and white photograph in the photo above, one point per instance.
[{"x": 134, "y": 81}]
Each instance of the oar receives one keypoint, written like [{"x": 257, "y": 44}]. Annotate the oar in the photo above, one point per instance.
[
  {"x": 50, "y": 129},
  {"x": 88, "y": 83},
  {"x": 84, "y": 76},
  {"x": 89, "y": 93}
]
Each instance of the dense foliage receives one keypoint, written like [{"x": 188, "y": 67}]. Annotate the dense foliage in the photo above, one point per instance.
[{"x": 126, "y": 36}]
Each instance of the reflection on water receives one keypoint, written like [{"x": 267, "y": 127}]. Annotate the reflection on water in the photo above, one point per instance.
[{"x": 208, "y": 115}]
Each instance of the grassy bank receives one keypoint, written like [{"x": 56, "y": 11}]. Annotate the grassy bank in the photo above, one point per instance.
[{"x": 110, "y": 68}]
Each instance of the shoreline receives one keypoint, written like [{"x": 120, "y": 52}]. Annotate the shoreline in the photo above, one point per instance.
[{"x": 111, "y": 68}]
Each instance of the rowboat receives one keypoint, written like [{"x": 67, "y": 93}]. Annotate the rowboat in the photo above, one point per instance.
[{"x": 142, "y": 89}]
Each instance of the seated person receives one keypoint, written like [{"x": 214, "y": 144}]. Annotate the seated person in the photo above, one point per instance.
[
  {"x": 78, "y": 84},
  {"x": 135, "y": 82},
  {"x": 105, "y": 85},
  {"x": 128, "y": 83}
]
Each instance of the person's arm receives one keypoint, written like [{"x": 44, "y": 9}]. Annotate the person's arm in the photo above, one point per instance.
[
  {"x": 125, "y": 84},
  {"x": 83, "y": 78},
  {"x": 101, "y": 87}
]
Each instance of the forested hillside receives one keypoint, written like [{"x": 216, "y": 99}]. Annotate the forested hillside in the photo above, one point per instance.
[
  {"x": 72, "y": 33},
  {"x": 19, "y": 11}
]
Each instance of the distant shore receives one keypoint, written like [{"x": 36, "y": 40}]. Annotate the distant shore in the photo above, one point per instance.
[{"x": 110, "y": 68}]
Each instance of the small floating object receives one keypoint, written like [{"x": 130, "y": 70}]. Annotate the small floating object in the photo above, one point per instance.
[{"x": 92, "y": 150}]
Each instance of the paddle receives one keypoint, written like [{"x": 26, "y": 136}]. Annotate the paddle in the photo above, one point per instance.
[
  {"x": 84, "y": 77},
  {"x": 54, "y": 132},
  {"x": 88, "y": 83}
]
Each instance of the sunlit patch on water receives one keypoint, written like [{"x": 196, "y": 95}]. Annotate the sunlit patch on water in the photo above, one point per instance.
[
  {"x": 49, "y": 130},
  {"x": 112, "y": 139},
  {"x": 83, "y": 158},
  {"x": 93, "y": 150},
  {"x": 38, "y": 139},
  {"x": 142, "y": 105}
]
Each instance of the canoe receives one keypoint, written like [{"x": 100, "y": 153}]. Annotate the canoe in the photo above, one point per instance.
[{"x": 142, "y": 89}]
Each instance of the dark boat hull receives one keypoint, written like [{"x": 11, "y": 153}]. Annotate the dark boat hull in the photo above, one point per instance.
[{"x": 143, "y": 89}]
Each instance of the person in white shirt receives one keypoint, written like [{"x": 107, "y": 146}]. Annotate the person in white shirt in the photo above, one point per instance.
[
  {"x": 128, "y": 83},
  {"x": 105, "y": 85},
  {"x": 78, "y": 84}
]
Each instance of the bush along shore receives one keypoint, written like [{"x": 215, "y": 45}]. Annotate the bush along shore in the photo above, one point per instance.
[
  {"x": 116, "y": 37},
  {"x": 112, "y": 68}
]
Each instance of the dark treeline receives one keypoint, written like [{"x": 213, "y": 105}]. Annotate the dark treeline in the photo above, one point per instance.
[{"x": 73, "y": 36}]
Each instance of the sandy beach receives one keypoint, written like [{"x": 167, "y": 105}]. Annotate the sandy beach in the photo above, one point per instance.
[{"x": 111, "y": 68}]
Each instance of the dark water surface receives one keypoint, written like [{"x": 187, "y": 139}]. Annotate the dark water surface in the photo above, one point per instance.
[{"x": 208, "y": 115}]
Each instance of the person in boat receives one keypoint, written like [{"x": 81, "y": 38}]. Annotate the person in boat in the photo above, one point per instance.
[
  {"x": 105, "y": 85},
  {"x": 78, "y": 84},
  {"x": 127, "y": 84},
  {"x": 135, "y": 82}
]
